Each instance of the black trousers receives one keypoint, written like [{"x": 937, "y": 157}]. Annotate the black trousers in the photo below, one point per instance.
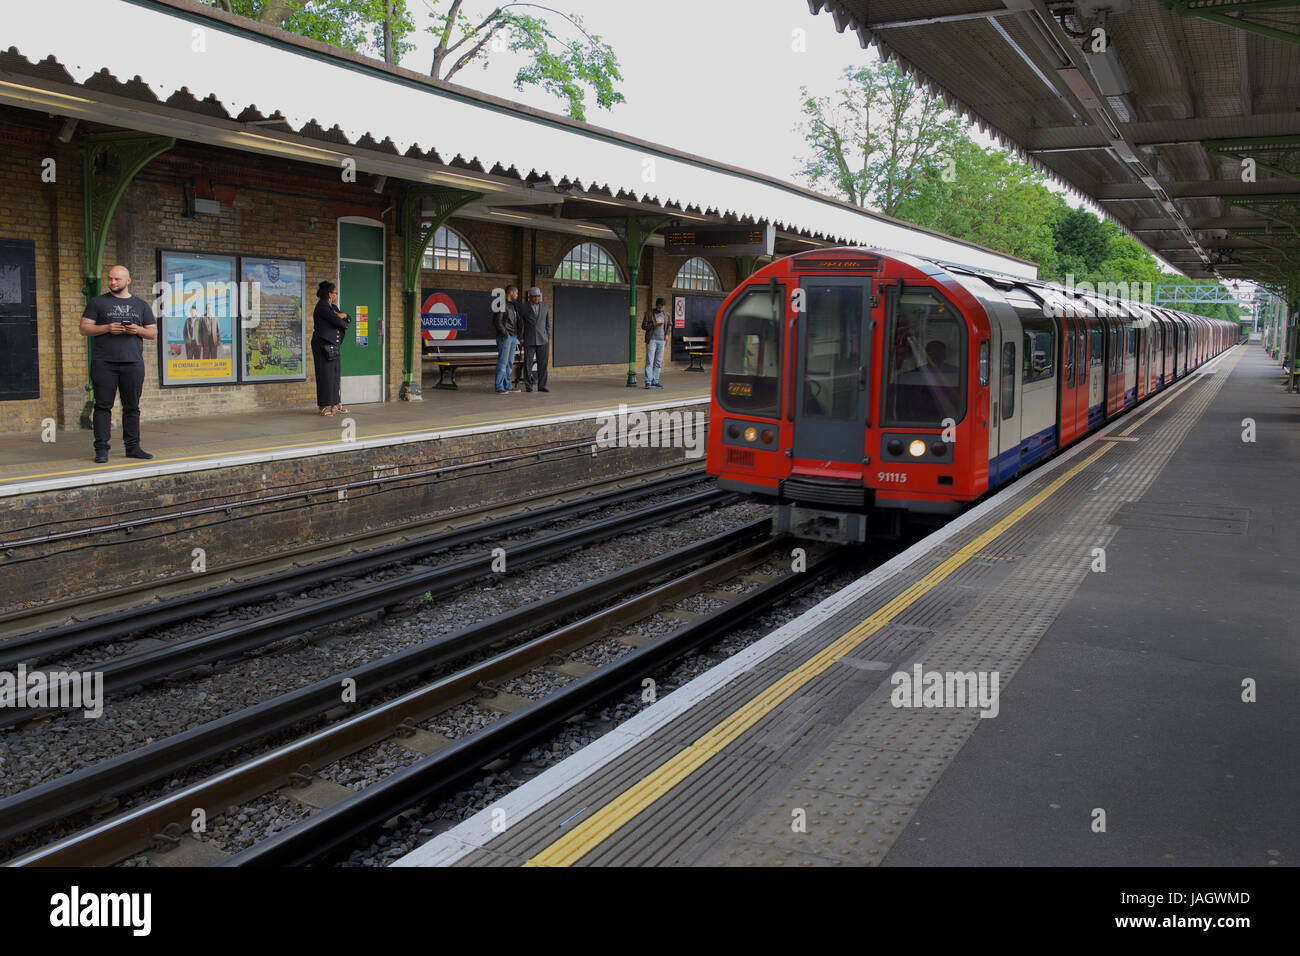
[
  {"x": 538, "y": 354},
  {"x": 110, "y": 378},
  {"x": 328, "y": 375}
]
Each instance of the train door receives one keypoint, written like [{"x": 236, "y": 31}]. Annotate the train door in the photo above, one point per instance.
[
  {"x": 832, "y": 367},
  {"x": 1004, "y": 392},
  {"x": 1096, "y": 371},
  {"x": 1066, "y": 412}
]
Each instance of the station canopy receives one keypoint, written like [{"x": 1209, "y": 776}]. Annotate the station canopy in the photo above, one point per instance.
[
  {"x": 179, "y": 69},
  {"x": 1181, "y": 118}
]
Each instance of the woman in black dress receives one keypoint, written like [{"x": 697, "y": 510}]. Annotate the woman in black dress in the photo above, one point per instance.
[{"x": 326, "y": 345}]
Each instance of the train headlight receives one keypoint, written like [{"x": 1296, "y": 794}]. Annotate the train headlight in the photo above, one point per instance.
[
  {"x": 733, "y": 431},
  {"x": 895, "y": 446},
  {"x": 751, "y": 433},
  {"x": 939, "y": 449},
  {"x": 917, "y": 448}
]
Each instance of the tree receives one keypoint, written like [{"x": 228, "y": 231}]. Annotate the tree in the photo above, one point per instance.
[
  {"x": 567, "y": 68},
  {"x": 876, "y": 137},
  {"x": 986, "y": 196},
  {"x": 1079, "y": 239}
]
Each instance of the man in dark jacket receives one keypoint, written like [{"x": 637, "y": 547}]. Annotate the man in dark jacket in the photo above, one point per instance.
[
  {"x": 506, "y": 324},
  {"x": 536, "y": 316}
]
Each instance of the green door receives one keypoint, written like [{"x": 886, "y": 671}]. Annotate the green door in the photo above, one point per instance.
[{"x": 361, "y": 296}]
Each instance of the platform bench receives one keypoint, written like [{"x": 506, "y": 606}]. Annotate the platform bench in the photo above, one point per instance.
[
  {"x": 466, "y": 353},
  {"x": 698, "y": 347}
]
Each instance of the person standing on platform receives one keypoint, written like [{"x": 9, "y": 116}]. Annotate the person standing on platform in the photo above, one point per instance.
[
  {"x": 536, "y": 316},
  {"x": 506, "y": 323},
  {"x": 326, "y": 346},
  {"x": 655, "y": 324},
  {"x": 118, "y": 321}
]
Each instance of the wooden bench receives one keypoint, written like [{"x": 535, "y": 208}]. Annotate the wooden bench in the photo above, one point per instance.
[
  {"x": 466, "y": 353},
  {"x": 698, "y": 347}
]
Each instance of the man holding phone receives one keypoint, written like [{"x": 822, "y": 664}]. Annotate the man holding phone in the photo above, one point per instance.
[{"x": 118, "y": 321}]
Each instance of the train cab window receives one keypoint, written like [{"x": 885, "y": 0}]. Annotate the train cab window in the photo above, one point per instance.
[
  {"x": 832, "y": 342},
  {"x": 749, "y": 367},
  {"x": 925, "y": 361},
  {"x": 1008, "y": 381}
]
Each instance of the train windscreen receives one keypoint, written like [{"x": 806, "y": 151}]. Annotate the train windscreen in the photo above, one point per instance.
[
  {"x": 749, "y": 359},
  {"x": 926, "y": 358}
]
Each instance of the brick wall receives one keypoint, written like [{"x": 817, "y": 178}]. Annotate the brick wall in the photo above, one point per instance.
[
  {"x": 268, "y": 207},
  {"x": 254, "y": 527}
]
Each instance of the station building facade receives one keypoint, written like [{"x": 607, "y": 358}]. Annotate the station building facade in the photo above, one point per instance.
[{"x": 213, "y": 202}]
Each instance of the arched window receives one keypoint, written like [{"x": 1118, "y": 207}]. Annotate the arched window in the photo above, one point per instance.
[
  {"x": 450, "y": 250},
  {"x": 588, "y": 262},
  {"x": 697, "y": 274}
]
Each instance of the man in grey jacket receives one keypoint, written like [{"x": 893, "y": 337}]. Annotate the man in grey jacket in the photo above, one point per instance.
[{"x": 536, "y": 317}]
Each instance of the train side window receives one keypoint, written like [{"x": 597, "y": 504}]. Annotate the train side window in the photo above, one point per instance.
[
  {"x": 1008, "y": 380},
  {"x": 1069, "y": 360},
  {"x": 984, "y": 362},
  {"x": 1094, "y": 336}
]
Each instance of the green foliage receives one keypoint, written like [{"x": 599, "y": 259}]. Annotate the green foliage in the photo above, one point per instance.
[
  {"x": 876, "y": 138},
  {"x": 1080, "y": 240},
  {"x": 566, "y": 68},
  {"x": 986, "y": 196}
]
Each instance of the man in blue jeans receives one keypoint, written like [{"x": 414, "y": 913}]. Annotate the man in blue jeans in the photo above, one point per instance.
[
  {"x": 655, "y": 325},
  {"x": 506, "y": 323}
]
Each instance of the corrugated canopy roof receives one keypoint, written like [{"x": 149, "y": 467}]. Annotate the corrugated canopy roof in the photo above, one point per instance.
[
  {"x": 1155, "y": 129},
  {"x": 190, "y": 71}
]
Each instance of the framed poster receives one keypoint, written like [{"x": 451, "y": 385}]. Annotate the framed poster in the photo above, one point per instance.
[
  {"x": 273, "y": 319},
  {"x": 196, "y": 311}
]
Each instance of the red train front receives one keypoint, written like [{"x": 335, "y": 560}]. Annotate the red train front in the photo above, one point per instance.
[{"x": 852, "y": 387}]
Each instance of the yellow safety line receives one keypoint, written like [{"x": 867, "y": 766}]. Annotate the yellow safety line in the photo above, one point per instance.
[
  {"x": 576, "y": 844},
  {"x": 312, "y": 444}
]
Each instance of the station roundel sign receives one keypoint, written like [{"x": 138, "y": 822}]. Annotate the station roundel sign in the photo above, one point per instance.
[{"x": 439, "y": 303}]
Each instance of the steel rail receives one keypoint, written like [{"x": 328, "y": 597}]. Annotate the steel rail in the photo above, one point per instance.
[
  {"x": 125, "y": 773},
  {"x": 126, "y": 673},
  {"x": 113, "y": 840},
  {"x": 75, "y": 607},
  {"x": 321, "y": 834},
  {"x": 44, "y": 644}
]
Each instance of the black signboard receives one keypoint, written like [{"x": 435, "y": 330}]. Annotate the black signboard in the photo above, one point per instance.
[
  {"x": 19, "y": 356},
  {"x": 720, "y": 241}
]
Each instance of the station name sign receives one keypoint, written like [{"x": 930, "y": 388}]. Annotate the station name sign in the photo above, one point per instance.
[{"x": 721, "y": 240}]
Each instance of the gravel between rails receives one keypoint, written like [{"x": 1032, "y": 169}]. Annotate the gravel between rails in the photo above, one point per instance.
[
  {"x": 422, "y": 823},
  {"x": 69, "y": 742}
]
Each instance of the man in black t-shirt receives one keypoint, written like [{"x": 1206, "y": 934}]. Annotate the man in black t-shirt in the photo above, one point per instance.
[{"x": 118, "y": 321}]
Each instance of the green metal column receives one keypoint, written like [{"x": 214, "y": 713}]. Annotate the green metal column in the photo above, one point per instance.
[
  {"x": 746, "y": 266},
  {"x": 109, "y": 162},
  {"x": 634, "y": 232},
  {"x": 417, "y": 232}
]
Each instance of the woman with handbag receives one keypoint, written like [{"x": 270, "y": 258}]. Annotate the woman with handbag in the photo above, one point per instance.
[{"x": 326, "y": 345}]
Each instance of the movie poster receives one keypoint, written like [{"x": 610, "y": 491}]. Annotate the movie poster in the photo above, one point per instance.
[
  {"x": 274, "y": 319},
  {"x": 196, "y": 308}
]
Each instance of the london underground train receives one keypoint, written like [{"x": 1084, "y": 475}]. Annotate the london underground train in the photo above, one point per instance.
[{"x": 853, "y": 387}]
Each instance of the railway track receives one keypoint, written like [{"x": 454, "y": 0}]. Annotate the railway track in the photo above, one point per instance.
[
  {"x": 39, "y": 633},
  {"x": 126, "y": 673},
  {"x": 113, "y": 840}
]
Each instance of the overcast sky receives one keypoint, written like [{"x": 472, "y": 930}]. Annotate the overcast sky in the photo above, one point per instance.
[{"x": 718, "y": 78}]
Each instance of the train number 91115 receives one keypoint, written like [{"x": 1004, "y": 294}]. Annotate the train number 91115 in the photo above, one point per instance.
[{"x": 898, "y": 477}]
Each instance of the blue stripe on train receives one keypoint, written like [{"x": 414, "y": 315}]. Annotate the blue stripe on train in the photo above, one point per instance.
[
  {"x": 1030, "y": 451},
  {"x": 1096, "y": 414}
]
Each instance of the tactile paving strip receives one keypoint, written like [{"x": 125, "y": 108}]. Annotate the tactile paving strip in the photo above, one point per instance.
[{"x": 745, "y": 799}]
